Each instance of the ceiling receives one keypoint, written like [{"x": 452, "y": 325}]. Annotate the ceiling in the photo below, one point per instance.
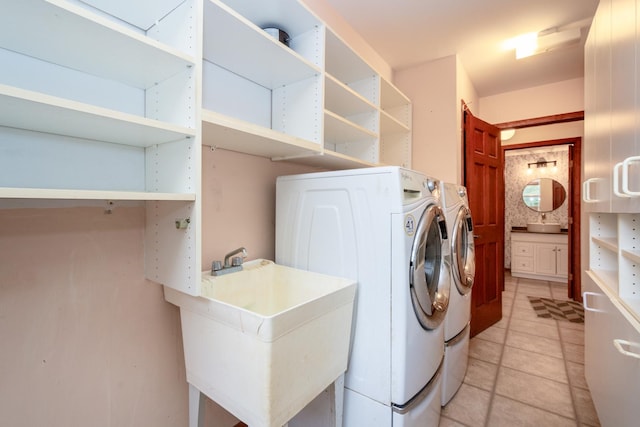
[{"x": 410, "y": 32}]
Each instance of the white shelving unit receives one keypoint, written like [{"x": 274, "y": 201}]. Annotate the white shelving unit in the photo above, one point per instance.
[
  {"x": 113, "y": 100},
  {"x": 315, "y": 101},
  {"x": 99, "y": 101}
]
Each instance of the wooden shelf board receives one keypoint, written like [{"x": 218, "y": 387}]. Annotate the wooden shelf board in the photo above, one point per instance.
[
  {"x": 34, "y": 111},
  {"x": 57, "y": 194},
  {"x": 222, "y": 131},
  {"x": 105, "y": 49}
]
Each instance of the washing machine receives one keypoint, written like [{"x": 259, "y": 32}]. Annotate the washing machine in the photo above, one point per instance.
[
  {"x": 461, "y": 257},
  {"x": 384, "y": 228}
]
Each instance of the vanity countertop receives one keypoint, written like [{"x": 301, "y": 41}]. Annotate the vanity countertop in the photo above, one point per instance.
[{"x": 516, "y": 229}]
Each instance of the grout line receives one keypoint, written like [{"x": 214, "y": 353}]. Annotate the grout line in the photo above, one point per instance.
[{"x": 506, "y": 332}]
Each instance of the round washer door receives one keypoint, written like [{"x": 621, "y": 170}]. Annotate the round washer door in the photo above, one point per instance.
[
  {"x": 429, "y": 301},
  {"x": 463, "y": 251}
]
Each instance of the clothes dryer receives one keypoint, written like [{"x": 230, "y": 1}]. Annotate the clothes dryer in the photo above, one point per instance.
[
  {"x": 384, "y": 228},
  {"x": 462, "y": 259}
]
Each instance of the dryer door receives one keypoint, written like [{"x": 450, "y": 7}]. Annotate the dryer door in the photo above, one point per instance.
[
  {"x": 463, "y": 251},
  {"x": 429, "y": 299}
]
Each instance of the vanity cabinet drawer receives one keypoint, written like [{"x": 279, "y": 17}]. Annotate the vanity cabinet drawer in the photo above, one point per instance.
[
  {"x": 522, "y": 263},
  {"x": 522, "y": 248}
]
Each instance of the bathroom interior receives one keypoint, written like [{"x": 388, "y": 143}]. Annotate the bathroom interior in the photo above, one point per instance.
[{"x": 524, "y": 167}]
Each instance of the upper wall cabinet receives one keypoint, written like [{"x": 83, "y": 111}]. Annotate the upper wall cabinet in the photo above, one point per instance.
[{"x": 312, "y": 99}]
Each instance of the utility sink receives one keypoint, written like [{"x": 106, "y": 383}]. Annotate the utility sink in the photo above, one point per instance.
[
  {"x": 543, "y": 227},
  {"x": 265, "y": 341}
]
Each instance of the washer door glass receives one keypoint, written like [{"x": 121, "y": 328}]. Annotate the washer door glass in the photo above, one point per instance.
[
  {"x": 463, "y": 251},
  {"x": 429, "y": 301}
]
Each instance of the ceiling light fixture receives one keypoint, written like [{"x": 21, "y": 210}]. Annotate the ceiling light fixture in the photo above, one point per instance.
[
  {"x": 545, "y": 41},
  {"x": 507, "y": 134}
]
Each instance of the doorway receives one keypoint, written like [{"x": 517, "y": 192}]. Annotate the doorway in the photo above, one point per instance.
[{"x": 573, "y": 152}]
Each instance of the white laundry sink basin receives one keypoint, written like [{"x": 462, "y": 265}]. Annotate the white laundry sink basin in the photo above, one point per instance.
[
  {"x": 546, "y": 227},
  {"x": 265, "y": 341}
]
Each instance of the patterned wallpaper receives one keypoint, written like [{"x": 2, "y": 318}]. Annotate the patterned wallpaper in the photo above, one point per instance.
[{"x": 517, "y": 214}]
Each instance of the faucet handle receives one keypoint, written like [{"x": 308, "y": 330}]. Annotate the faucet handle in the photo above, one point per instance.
[
  {"x": 236, "y": 261},
  {"x": 216, "y": 265}
]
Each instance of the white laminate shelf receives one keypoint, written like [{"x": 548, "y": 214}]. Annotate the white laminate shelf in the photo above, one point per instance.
[
  {"x": 632, "y": 255},
  {"x": 59, "y": 194},
  {"x": 221, "y": 131},
  {"x": 390, "y": 97},
  {"x": 344, "y": 64},
  {"x": 339, "y": 130},
  {"x": 390, "y": 125},
  {"x": 609, "y": 243},
  {"x": 24, "y": 109},
  {"x": 104, "y": 49},
  {"x": 343, "y": 100},
  {"x": 239, "y": 46}
]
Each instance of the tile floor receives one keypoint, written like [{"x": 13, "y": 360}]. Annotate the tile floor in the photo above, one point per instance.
[{"x": 524, "y": 370}]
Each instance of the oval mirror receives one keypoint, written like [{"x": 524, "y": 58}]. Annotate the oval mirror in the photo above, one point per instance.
[{"x": 543, "y": 194}]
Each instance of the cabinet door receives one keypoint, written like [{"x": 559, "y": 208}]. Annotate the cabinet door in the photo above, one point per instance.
[
  {"x": 562, "y": 260},
  {"x": 623, "y": 101},
  {"x": 545, "y": 258},
  {"x": 597, "y": 171},
  {"x": 613, "y": 377}
]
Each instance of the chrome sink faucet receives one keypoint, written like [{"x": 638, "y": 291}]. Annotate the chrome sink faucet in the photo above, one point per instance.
[
  {"x": 231, "y": 264},
  {"x": 543, "y": 217},
  {"x": 234, "y": 260}
]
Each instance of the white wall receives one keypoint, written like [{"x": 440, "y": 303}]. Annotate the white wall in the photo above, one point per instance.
[
  {"x": 436, "y": 89},
  {"x": 555, "y": 98},
  {"x": 337, "y": 23}
]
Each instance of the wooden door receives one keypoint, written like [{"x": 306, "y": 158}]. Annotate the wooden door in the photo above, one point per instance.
[{"x": 483, "y": 177}]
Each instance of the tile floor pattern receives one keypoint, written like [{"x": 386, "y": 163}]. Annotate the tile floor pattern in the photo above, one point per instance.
[{"x": 525, "y": 370}]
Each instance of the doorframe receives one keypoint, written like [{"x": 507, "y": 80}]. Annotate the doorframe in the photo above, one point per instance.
[{"x": 574, "y": 290}]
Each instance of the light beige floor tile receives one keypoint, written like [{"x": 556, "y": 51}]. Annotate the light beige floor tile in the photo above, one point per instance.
[
  {"x": 534, "y": 363},
  {"x": 584, "y": 407},
  {"x": 572, "y": 336},
  {"x": 481, "y": 374},
  {"x": 575, "y": 372},
  {"x": 532, "y": 282},
  {"x": 508, "y": 413},
  {"x": 494, "y": 334},
  {"x": 508, "y": 295},
  {"x": 448, "y": 422},
  {"x": 504, "y": 322},
  {"x": 534, "y": 290},
  {"x": 571, "y": 325},
  {"x": 469, "y": 406},
  {"x": 530, "y": 315},
  {"x": 533, "y": 343},
  {"x": 559, "y": 294},
  {"x": 536, "y": 391},
  {"x": 547, "y": 329},
  {"x": 573, "y": 352},
  {"x": 485, "y": 350},
  {"x": 507, "y": 304}
]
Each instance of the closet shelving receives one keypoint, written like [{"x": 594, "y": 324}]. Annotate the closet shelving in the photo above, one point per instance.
[
  {"x": 260, "y": 96},
  {"x": 113, "y": 100},
  {"x": 99, "y": 100},
  {"x": 615, "y": 256},
  {"x": 315, "y": 101},
  {"x": 92, "y": 104}
]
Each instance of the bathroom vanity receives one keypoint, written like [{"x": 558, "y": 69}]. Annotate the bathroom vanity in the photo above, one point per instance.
[{"x": 542, "y": 256}]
